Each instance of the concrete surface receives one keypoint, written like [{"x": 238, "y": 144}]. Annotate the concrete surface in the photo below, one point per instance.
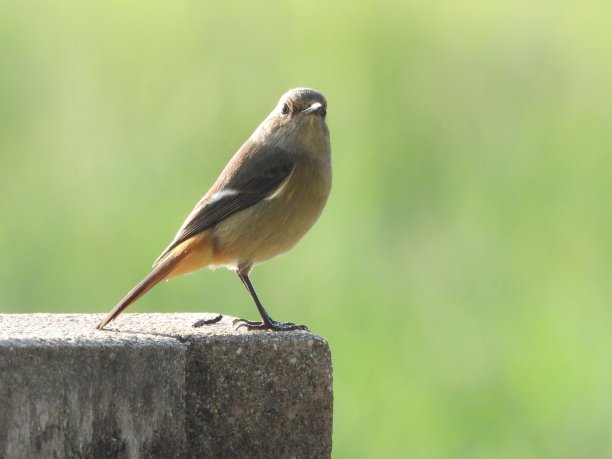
[{"x": 151, "y": 385}]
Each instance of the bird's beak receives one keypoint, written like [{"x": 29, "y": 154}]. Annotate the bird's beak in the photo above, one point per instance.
[{"x": 312, "y": 108}]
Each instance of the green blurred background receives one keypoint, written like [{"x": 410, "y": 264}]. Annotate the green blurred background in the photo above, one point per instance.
[{"x": 462, "y": 268}]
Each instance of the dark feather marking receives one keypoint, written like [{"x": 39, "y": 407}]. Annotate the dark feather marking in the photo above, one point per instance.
[{"x": 269, "y": 168}]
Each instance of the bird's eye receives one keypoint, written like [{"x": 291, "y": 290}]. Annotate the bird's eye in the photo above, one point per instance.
[{"x": 285, "y": 109}]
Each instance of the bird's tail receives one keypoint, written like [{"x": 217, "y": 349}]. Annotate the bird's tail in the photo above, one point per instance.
[{"x": 159, "y": 273}]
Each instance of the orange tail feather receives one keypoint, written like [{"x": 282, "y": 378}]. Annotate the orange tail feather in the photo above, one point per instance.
[{"x": 160, "y": 273}]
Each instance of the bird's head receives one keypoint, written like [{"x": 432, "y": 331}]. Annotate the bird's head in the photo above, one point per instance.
[{"x": 298, "y": 120}]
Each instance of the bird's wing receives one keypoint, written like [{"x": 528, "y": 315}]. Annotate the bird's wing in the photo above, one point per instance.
[{"x": 251, "y": 176}]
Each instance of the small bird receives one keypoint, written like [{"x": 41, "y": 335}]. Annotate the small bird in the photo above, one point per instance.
[{"x": 268, "y": 196}]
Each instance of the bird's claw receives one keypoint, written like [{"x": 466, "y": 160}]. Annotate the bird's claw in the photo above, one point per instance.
[{"x": 272, "y": 325}]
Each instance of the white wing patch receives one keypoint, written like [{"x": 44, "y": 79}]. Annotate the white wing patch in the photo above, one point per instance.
[
  {"x": 222, "y": 194},
  {"x": 215, "y": 197}
]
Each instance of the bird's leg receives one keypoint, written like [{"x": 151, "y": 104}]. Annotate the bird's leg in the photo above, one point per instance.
[{"x": 268, "y": 323}]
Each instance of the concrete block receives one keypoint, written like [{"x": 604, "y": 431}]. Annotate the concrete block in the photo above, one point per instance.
[{"x": 154, "y": 386}]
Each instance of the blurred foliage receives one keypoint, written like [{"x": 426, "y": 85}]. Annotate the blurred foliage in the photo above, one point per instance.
[{"x": 462, "y": 268}]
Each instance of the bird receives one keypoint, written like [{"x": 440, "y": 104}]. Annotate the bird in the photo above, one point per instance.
[{"x": 267, "y": 197}]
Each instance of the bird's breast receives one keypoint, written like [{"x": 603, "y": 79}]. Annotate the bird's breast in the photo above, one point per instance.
[{"x": 274, "y": 225}]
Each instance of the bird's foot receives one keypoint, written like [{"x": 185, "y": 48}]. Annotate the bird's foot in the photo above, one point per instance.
[
  {"x": 269, "y": 325},
  {"x": 202, "y": 322}
]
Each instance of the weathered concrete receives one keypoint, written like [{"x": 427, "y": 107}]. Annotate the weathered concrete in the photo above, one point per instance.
[{"x": 154, "y": 386}]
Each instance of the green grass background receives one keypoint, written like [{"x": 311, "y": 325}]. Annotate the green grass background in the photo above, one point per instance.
[{"x": 462, "y": 269}]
